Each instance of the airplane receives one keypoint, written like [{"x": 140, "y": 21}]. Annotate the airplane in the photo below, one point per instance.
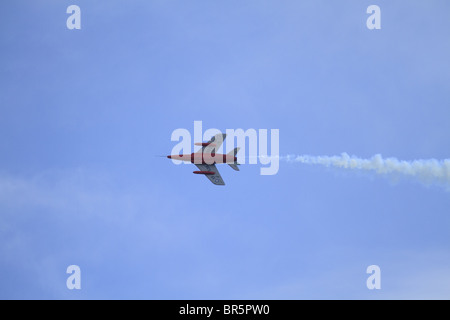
[{"x": 206, "y": 158}]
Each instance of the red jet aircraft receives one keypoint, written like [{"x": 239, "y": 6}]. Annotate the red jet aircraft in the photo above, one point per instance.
[{"x": 206, "y": 158}]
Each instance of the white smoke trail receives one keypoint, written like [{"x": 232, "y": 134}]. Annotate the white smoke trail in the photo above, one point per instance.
[{"x": 430, "y": 171}]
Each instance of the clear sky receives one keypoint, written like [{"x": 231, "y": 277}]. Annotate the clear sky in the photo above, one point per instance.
[{"x": 84, "y": 112}]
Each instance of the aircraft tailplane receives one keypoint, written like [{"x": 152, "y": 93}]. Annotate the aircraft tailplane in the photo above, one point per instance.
[{"x": 234, "y": 152}]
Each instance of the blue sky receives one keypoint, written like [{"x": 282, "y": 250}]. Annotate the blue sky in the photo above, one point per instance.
[{"x": 83, "y": 112}]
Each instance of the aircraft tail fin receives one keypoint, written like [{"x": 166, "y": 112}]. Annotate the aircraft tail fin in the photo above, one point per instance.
[{"x": 234, "y": 166}]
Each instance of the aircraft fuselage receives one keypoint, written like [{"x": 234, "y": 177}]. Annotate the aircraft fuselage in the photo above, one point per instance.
[{"x": 199, "y": 158}]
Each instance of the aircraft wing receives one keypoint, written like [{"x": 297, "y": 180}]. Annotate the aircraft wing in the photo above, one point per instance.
[
  {"x": 213, "y": 144},
  {"x": 214, "y": 178}
]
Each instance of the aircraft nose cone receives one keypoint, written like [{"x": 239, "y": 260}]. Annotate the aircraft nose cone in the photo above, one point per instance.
[{"x": 170, "y": 157}]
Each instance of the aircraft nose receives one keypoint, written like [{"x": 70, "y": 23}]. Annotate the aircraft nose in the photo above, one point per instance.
[{"x": 170, "y": 157}]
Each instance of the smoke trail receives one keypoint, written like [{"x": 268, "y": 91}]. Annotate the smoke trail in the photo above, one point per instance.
[{"x": 430, "y": 171}]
